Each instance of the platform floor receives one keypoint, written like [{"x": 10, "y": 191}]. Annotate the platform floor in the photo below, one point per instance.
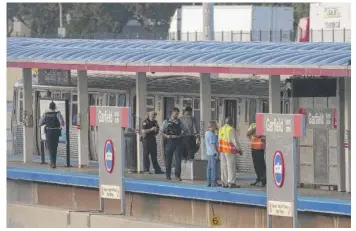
[{"x": 243, "y": 179}]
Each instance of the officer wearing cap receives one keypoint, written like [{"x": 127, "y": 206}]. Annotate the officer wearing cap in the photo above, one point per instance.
[
  {"x": 53, "y": 122},
  {"x": 150, "y": 130},
  {"x": 172, "y": 129}
]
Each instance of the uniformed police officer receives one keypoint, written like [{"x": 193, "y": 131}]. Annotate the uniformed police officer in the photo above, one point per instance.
[
  {"x": 172, "y": 129},
  {"x": 150, "y": 129},
  {"x": 53, "y": 122}
]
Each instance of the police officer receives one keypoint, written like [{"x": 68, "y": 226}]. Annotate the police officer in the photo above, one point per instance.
[
  {"x": 172, "y": 129},
  {"x": 258, "y": 155},
  {"x": 150, "y": 129},
  {"x": 53, "y": 122}
]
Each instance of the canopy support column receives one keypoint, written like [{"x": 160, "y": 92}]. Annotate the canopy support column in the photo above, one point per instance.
[
  {"x": 205, "y": 110},
  {"x": 141, "y": 96},
  {"x": 83, "y": 120},
  {"x": 347, "y": 143},
  {"x": 274, "y": 94},
  {"x": 341, "y": 168},
  {"x": 28, "y": 118}
]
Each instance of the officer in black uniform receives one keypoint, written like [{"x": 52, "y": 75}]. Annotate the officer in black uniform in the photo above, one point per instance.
[
  {"x": 53, "y": 122},
  {"x": 150, "y": 129},
  {"x": 172, "y": 129}
]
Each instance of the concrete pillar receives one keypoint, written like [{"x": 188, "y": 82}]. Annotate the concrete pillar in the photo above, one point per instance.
[
  {"x": 83, "y": 120},
  {"x": 208, "y": 21},
  {"x": 205, "y": 109},
  {"x": 348, "y": 133},
  {"x": 274, "y": 94},
  {"x": 341, "y": 168},
  {"x": 141, "y": 95},
  {"x": 28, "y": 131}
]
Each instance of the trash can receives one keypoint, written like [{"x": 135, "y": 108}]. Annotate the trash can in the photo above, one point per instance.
[{"x": 130, "y": 149}]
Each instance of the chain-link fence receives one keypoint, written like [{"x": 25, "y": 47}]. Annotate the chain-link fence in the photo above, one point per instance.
[{"x": 329, "y": 35}]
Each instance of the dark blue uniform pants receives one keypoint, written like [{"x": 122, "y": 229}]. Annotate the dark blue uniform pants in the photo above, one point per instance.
[
  {"x": 150, "y": 148},
  {"x": 173, "y": 148},
  {"x": 52, "y": 138}
]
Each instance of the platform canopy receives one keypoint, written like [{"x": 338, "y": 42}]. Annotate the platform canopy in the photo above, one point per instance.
[{"x": 327, "y": 59}]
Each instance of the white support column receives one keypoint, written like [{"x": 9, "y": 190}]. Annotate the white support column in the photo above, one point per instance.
[
  {"x": 274, "y": 94},
  {"x": 83, "y": 120},
  {"x": 141, "y": 96},
  {"x": 341, "y": 167},
  {"x": 28, "y": 131},
  {"x": 205, "y": 110},
  {"x": 348, "y": 132}
]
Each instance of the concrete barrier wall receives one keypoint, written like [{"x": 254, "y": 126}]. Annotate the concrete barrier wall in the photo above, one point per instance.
[
  {"x": 31, "y": 216},
  {"x": 163, "y": 209}
]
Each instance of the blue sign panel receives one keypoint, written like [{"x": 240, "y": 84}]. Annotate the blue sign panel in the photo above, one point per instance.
[
  {"x": 109, "y": 156},
  {"x": 278, "y": 169}
]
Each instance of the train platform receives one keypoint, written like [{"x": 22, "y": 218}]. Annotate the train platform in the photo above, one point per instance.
[{"x": 309, "y": 200}]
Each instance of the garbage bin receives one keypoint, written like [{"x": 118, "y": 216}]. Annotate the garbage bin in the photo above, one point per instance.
[{"x": 130, "y": 149}]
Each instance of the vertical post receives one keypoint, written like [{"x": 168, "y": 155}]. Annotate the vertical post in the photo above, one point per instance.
[
  {"x": 28, "y": 131},
  {"x": 347, "y": 143},
  {"x": 141, "y": 95},
  {"x": 179, "y": 23},
  {"x": 205, "y": 109},
  {"x": 340, "y": 134},
  {"x": 208, "y": 20},
  {"x": 83, "y": 120},
  {"x": 274, "y": 94}
]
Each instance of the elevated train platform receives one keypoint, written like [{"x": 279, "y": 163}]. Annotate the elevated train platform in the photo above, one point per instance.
[
  {"x": 191, "y": 202},
  {"x": 186, "y": 202}
]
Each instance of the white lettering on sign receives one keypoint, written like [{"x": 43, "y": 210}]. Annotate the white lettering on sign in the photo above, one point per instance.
[
  {"x": 274, "y": 125},
  {"x": 117, "y": 117},
  {"x": 278, "y": 168},
  {"x": 317, "y": 119},
  {"x": 105, "y": 117},
  {"x": 110, "y": 191},
  {"x": 280, "y": 208},
  {"x": 108, "y": 117}
]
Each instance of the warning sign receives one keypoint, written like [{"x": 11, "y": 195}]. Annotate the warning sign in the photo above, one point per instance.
[
  {"x": 279, "y": 208},
  {"x": 110, "y": 191}
]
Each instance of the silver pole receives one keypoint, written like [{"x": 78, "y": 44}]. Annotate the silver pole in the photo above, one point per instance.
[
  {"x": 208, "y": 21},
  {"x": 60, "y": 16}
]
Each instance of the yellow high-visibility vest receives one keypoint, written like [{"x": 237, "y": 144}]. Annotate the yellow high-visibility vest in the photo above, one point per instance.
[{"x": 225, "y": 144}]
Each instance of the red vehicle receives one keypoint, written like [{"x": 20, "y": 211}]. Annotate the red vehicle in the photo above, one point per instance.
[{"x": 303, "y": 30}]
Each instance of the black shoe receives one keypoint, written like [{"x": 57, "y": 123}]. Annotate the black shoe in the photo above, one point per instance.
[
  {"x": 213, "y": 185},
  {"x": 263, "y": 184},
  {"x": 234, "y": 186},
  {"x": 255, "y": 183},
  {"x": 168, "y": 178},
  {"x": 208, "y": 185},
  {"x": 178, "y": 179}
]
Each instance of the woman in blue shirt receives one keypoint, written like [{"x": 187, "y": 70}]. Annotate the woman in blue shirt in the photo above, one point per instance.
[{"x": 211, "y": 144}]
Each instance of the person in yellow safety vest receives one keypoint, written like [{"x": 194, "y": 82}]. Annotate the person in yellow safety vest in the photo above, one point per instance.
[
  {"x": 258, "y": 155},
  {"x": 228, "y": 148}
]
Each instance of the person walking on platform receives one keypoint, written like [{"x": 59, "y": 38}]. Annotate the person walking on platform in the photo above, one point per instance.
[
  {"x": 211, "y": 144},
  {"x": 53, "y": 122},
  {"x": 258, "y": 155},
  {"x": 172, "y": 129},
  {"x": 189, "y": 140},
  {"x": 150, "y": 129},
  {"x": 228, "y": 148}
]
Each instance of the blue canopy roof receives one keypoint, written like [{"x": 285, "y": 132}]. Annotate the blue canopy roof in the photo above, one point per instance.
[{"x": 178, "y": 52}]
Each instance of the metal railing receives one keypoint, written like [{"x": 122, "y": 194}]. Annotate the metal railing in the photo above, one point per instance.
[{"x": 323, "y": 35}]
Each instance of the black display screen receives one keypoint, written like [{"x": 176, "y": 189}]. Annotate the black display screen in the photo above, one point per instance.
[{"x": 314, "y": 87}]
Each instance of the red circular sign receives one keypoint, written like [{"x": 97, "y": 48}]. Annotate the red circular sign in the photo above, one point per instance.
[
  {"x": 109, "y": 156},
  {"x": 278, "y": 169}
]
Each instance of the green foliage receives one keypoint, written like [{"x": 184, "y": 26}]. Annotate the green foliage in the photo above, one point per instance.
[{"x": 43, "y": 18}]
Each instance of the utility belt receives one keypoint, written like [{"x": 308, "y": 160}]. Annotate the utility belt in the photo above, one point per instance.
[{"x": 59, "y": 130}]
